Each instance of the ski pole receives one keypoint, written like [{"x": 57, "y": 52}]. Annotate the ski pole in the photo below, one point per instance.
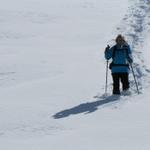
[
  {"x": 106, "y": 77},
  {"x": 135, "y": 79}
]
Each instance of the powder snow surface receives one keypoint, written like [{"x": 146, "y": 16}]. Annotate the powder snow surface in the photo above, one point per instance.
[{"x": 52, "y": 75}]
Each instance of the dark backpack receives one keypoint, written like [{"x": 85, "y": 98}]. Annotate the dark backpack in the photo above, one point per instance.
[{"x": 125, "y": 48}]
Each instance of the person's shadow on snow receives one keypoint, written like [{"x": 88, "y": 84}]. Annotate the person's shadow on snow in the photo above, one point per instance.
[{"x": 86, "y": 107}]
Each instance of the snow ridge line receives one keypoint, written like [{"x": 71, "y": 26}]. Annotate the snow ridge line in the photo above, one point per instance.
[{"x": 135, "y": 27}]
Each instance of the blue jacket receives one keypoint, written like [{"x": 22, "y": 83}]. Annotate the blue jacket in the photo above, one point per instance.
[{"x": 121, "y": 57}]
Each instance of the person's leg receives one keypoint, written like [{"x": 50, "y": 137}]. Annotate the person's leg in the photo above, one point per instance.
[
  {"x": 125, "y": 81},
  {"x": 116, "y": 89}
]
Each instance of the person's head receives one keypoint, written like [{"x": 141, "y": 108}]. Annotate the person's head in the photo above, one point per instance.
[{"x": 120, "y": 40}]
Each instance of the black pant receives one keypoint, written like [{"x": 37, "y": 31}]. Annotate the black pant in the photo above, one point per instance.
[{"x": 117, "y": 77}]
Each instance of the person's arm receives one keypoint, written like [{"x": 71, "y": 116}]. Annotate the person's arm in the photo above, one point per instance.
[{"x": 108, "y": 52}]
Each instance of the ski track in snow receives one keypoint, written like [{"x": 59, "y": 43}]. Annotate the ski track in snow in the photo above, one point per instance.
[{"x": 136, "y": 26}]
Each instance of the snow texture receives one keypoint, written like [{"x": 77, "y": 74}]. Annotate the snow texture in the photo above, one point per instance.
[{"x": 52, "y": 75}]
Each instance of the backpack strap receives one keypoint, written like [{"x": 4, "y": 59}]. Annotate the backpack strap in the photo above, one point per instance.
[{"x": 114, "y": 51}]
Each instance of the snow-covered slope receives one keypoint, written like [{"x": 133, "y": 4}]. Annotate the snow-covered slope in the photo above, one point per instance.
[{"x": 52, "y": 65}]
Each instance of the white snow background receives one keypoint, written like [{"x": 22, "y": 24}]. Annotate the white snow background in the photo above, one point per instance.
[{"x": 52, "y": 65}]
